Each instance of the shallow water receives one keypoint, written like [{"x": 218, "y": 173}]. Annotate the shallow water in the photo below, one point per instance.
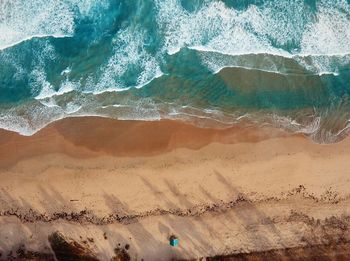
[{"x": 284, "y": 63}]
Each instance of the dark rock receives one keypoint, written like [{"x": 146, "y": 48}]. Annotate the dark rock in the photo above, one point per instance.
[
  {"x": 69, "y": 250},
  {"x": 121, "y": 255}
]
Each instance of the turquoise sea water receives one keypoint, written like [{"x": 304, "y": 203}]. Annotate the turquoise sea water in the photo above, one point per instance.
[{"x": 212, "y": 62}]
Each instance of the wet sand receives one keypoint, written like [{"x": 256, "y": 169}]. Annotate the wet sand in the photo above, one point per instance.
[{"x": 229, "y": 191}]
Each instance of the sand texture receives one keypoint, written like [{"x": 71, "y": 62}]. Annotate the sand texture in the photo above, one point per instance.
[{"x": 237, "y": 190}]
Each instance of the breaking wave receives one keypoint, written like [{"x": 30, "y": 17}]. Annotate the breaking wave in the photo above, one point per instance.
[{"x": 213, "y": 62}]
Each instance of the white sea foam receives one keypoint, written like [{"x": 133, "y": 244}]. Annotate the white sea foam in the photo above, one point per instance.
[
  {"x": 292, "y": 125},
  {"x": 27, "y": 119},
  {"x": 321, "y": 64},
  {"x": 72, "y": 107},
  {"x": 323, "y": 47},
  {"x": 30, "y": 117},
  {"x": 316, "y": 65},
  {"x": 39, "y": 81},
  {"x": 217, "y": 62},
  {"x": 66, "y": 71},
  {"x": 264, "y": 29},
  {"x": 330, "y": 32},
  {"x": 143, "y": 109},
  {"x": 49, "y": 102},
  {"x": 13, "y": 43},
  {"x": 129, "y": 54},
  {"x": 213, "y": 27},
  {"x": 22, "y": 20},
  {"x": 48, "y": 90}
]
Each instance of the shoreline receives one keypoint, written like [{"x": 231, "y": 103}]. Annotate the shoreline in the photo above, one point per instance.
[
  {"x": 125, "y": 138},
  {"x": 222, "y": 191}
]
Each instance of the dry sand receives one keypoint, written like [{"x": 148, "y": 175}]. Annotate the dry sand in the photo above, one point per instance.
[{"x": 236, "y": 190}]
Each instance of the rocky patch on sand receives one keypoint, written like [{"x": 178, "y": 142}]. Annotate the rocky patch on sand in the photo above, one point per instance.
[{"x": 63, "y": 249}]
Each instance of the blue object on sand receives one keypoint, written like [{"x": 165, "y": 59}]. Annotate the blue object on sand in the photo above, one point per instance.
[{"x": 174, "y": 241}]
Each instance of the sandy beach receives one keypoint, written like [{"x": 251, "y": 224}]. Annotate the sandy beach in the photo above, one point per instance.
[
  {"x": 174, "y": 130},
  {"x": 221, "y": 191}
]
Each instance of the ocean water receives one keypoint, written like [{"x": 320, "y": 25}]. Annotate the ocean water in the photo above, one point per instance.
[{"x": 211, "y": 62}]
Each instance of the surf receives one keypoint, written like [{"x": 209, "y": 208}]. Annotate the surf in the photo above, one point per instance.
[{"x": 160, "y": 59}]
